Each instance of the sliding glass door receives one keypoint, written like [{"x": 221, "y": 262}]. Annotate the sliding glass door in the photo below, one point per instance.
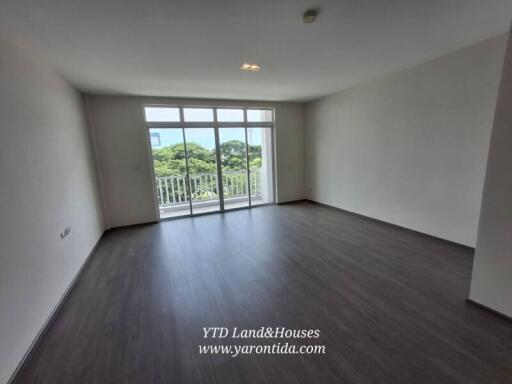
[
  {"x": 259, "y": 145},
  {"x": 170, "y": 167},
  {"x": 210, "y": 159},
  {"x": 233, "y": 153},
  {"x": 202, "y": 169}
]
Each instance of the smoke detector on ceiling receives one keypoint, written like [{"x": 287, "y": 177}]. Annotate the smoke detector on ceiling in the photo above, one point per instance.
[{"x": 310, "y": 16}]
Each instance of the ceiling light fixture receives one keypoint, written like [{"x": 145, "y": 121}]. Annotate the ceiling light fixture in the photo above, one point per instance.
[{"x": 250, "y": 67}]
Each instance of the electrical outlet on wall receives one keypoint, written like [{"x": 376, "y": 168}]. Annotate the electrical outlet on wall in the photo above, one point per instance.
[{"x": 66, "y": 232}]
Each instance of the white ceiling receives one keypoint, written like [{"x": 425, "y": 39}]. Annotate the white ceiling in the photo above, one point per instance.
[{"x": 194, "y": 48}]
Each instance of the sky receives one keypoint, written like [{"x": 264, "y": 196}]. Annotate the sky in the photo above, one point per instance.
[{"x": 203, "y": 136}]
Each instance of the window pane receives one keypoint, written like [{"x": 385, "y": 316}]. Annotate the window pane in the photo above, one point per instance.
[
  {"x": 202, "y": 168},
  {"x": 259, "y": 115},
  {"x": 259, "y": 141},
  {"x": 233, "y": 115},
  {"x": 198, "y": 114},
  {"x": 234, "y": 167},
  {"x": 168, "y": 153},
  {"x": 162, "y": 114}
]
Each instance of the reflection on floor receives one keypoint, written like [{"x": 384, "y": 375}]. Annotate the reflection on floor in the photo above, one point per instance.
[{"x": 183, "y": 209}]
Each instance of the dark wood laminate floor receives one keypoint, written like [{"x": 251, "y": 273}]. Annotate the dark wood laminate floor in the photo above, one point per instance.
[{"x": 389, "y": 304}]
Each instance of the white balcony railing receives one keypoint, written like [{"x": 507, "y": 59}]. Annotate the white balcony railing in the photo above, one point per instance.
[{"x": 172, "y": 190}]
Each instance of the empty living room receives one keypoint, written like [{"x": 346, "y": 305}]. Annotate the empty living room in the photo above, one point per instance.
[{"x": 273, "y": 191}]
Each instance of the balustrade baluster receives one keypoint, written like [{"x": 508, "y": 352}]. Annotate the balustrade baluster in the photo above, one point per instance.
[
  {"x": 172, "y": 189},
  {"x": 166, "y": 190},
  {"x": 178, "y": 179},
  {"x": 160, "y": 191}
]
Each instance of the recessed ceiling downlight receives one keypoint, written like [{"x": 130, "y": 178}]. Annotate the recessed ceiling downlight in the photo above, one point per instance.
[{"x": 250, "y": 67}]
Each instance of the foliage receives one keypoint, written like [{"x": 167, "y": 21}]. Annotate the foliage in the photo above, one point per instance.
[{"x": 170, "y": 161}]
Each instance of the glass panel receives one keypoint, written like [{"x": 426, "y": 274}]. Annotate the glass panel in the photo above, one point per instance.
[
  {"x": 259, "y": 142},
  {"x": 234, "y": 167},
  {"x": 202, "y": 167},
  {"x": 259, "y": 115},
  {"x": 168, "y": 154},
  {"x": 155, "y": 114},
  {"x": 198, "y": 114},
  {"x": 230, "y": 115}
]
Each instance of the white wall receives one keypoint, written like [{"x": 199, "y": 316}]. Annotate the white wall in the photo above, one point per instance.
[
  {"x": 410, "y": 148},
  {"x": 120, "y": 134},
  {"x": 491, "y": 283},
  {"x": 47, "y": 182}
]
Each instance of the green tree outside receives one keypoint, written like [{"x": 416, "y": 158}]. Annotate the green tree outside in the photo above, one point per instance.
[{"x": 170, "y": 161}]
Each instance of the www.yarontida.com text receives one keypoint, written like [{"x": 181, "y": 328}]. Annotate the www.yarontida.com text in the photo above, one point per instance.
[{"x": 235, "y": 350}]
